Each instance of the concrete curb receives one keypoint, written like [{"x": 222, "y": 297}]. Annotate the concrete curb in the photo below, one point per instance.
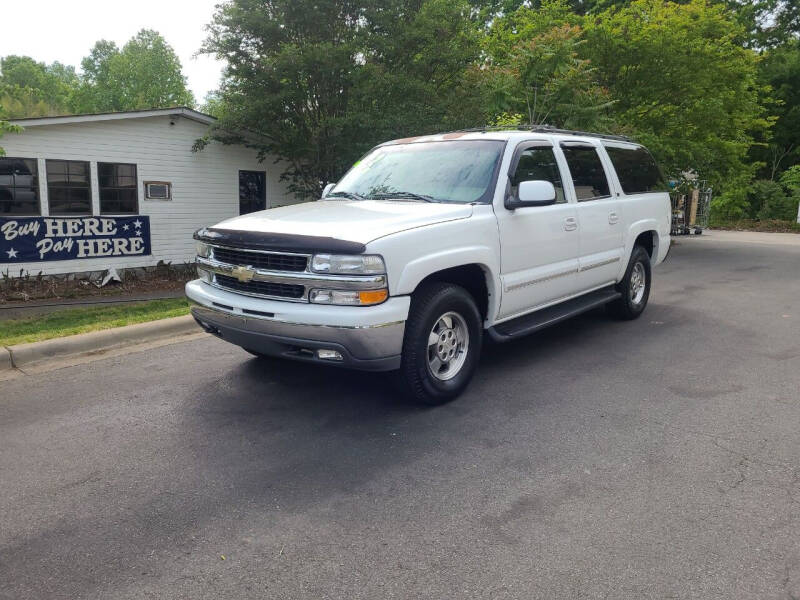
[
  {"x": 5, "y": 360},
  {"x": 37, "y": 354}
]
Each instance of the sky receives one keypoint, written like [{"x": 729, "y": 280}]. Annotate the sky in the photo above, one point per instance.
[{"x": 50, "y": 30}]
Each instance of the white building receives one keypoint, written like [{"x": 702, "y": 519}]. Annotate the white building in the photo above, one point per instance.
[{"x": 89, "y": 192}]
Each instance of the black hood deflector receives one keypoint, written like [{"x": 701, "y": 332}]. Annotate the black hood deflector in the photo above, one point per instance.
[{"x": 286, "y": 242}]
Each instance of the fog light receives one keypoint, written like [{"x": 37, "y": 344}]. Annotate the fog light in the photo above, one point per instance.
[{"x": 326, "y": 354}]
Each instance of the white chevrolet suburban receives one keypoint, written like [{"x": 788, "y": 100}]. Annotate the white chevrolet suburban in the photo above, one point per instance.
[{"x": 428, "y": 245}]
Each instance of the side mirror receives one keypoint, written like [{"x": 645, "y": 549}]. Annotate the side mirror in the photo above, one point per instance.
[
  {"x": 327, "y": 189},
  {"x": 532, "y": 193}
]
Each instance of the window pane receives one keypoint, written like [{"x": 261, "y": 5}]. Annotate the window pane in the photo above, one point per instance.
[
  {"x": 538, "y": 164},
  {"x": 587, "y": 172},
  {"x": 636, "y": 169},
  {"x": 118, "y": 188},
  {"x": 19, "y": 187},
  {"x": 56, "y": 171},
  {"x": 252, "y": 191},
  {"x": 127, "y": 201}
]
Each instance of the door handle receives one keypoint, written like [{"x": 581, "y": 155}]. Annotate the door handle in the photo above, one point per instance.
[
  {"x": 613, "y": 218},
  {"x": 570, "y": 224}
]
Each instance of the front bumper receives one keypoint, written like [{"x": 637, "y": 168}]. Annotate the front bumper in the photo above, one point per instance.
[{"x": 367, "y": 338}]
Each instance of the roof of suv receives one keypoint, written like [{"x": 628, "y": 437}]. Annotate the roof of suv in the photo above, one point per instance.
[{"x": 541, "y": 133}]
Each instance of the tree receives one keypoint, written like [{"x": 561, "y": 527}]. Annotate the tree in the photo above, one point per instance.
[
  {"x": 6, "y": 127},
  {"x": 146, "y": 73},
  {"x": 31, "y": 89},
  {"x": 780, "y": 70},
  {"x": 682, "y": 82},
  {"x": 534, "y": 70},
  {"x": 316, "y": 84}
]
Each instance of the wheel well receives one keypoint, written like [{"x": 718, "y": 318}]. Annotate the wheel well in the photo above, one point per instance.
[
  {"x": 471, "y": 277},
  {"x": 647, "y": 241}
]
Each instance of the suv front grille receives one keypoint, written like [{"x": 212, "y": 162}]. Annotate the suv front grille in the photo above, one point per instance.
[
  {"x": 270, "y": 262},
  {"x": 263, "y": 288}
]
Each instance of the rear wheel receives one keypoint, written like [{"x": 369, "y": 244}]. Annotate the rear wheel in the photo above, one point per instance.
[
  {"x": 634, "y": 287},
  {"x": 442, "y": 343}
]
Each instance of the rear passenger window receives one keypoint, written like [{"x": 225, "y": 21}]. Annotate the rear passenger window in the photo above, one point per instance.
[
  {"x": 538, "y": 164},
  {"x": 636, "y": 169},
  {"x": 587, "y": 172}
]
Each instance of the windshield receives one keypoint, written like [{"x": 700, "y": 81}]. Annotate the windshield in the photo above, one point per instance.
[{"x": 449, "y": 171}]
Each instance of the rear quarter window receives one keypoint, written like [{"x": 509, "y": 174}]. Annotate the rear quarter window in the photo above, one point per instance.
[{"x": 636, "y": 170}]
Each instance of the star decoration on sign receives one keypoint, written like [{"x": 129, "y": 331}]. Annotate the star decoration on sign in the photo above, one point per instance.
[
  {"x": 137, "y": 223},
  {"x": 11, "y": 253},
  {"x": 126, "y": 227}
]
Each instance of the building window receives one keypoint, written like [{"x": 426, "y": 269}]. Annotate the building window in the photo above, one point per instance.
[
  {"x": 118, "y": 189},
  {"x": 68, "y": 187},
  {"x": 19, "y": 187},
  {"x": 252, "y": 191}
]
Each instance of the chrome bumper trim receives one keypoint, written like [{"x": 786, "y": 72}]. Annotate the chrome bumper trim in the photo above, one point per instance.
[{"x": 375, "y": 347}]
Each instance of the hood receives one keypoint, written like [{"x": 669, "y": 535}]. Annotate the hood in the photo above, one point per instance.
[{"x": 350, "y": 220}]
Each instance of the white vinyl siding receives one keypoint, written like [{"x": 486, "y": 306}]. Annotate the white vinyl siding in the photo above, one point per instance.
[{"x": 205, "y": 184}]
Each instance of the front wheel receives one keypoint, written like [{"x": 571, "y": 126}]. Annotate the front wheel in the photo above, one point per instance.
[
  {"x": 442, "y": 343},
  {"x": 634, "y": 287}
]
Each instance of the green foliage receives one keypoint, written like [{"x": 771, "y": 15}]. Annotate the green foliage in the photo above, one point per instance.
[
  {"x": 317, "y": 84},
  {"x": 34, "y": 89},
  {"x": 767, "y": 200},
  {"x": 534, "y": 68},
  {"x": 682, "y": 83},
  {"x": 791, "y": 179},
  {"x": 6, "y": 127},
  {"x": 146, "y": 73},
  {"x": 780, "y": 70}
]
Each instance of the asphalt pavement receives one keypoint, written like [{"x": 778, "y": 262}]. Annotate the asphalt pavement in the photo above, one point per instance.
[{"x": 658, "y": 458}]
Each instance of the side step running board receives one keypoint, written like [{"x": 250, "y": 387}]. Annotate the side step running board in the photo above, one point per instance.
[{"x": 516, "y": 328}]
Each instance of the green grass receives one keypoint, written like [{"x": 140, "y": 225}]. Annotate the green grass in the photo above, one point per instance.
[{"x": 80, "y": 320}]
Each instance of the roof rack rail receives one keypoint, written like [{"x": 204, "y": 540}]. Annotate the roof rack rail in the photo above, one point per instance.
[{"x": 547, "y": 129}]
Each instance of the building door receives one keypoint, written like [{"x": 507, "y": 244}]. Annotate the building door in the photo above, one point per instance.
[{"x": 252, "y": 191}]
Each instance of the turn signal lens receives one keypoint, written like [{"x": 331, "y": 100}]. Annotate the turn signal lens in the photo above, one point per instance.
[{"x": 373, "y": 296}]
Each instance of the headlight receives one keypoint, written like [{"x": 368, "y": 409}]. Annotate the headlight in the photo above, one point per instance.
[
  {"x": 348, "y": 298},
  {"x": 203, "y": 249},
  {"x": 348, "y": 264}
]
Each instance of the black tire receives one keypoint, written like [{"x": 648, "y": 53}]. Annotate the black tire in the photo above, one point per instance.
[
  {"x": 429, "y": 304},
  {"x": 631, "y": 306}
]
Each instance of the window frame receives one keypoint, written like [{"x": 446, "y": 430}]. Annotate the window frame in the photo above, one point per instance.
[
  {"x": 100, "y": 188},
  {"x": 36, "y": 187},
  {"x": 515, "y": 158},
  {"x": 581, "y": 144},
  {"x": 88, "y": 164}
]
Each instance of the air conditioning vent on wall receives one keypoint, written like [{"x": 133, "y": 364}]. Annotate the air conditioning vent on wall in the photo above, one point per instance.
[{"x": 158, "y": 190}]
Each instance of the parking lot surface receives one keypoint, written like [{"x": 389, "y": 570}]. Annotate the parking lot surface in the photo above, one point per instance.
[{"x": 658, "y": 458}]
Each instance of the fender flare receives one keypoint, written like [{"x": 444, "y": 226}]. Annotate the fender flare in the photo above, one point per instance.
[
  {"x": 634, "y": 231},
  {"x": 417, "y": 270}
]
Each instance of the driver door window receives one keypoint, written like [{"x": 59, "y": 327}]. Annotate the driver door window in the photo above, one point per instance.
[{"x": 538, "y": 164}]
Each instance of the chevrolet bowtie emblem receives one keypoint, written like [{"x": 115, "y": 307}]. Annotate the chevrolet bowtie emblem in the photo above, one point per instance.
[{"x": 243, "y": 274}]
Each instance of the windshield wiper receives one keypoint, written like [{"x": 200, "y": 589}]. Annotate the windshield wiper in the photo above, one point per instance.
[
  {"x": 349, "y": 195},
  {"x": 403, "y": 195}
]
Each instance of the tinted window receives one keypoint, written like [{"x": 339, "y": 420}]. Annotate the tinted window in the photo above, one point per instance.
[
  {"x": 68, "y": 190},
  {"x": 252, "y": 191},
  {"x": 587, "y": 172},
  {"x": 19, "y": 186},
  {"x": 538, "y": 164},
  {"x": 118, "y": 188},
  {"x": 636, "y": 169}
]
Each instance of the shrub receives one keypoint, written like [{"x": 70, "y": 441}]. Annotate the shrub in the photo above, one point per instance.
[{"x": 765, "y": 198}]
